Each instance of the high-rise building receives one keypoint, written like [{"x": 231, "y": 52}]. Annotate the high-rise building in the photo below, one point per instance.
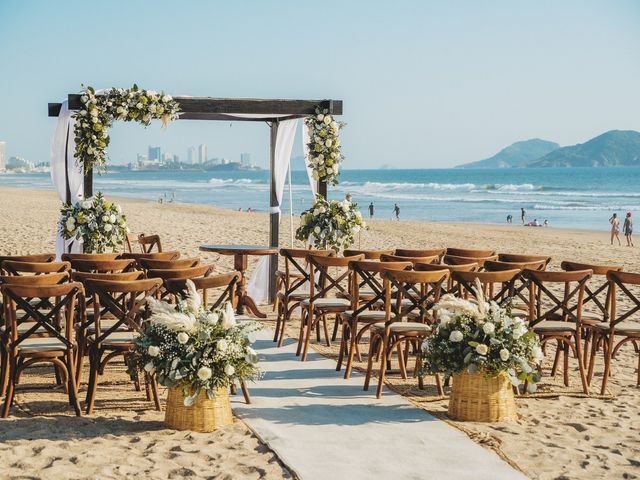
[
  {"x": 202, "y": 153},
  {"x": 191, "y": 155},
  {"x": 176, "y": 159},
  {"x": 245, "y": 159},
  {"x": 3, "y": 163},
  {"x": 155, "y": 153}
]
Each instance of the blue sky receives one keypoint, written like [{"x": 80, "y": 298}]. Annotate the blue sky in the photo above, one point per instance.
[{"x": 425, "y": 83}]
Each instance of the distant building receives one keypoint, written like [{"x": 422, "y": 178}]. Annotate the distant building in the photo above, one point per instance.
[
  {"x": 167, "y": 157},
  {"x": 155, "y": 153},
  {"x": 245, "y": 159},
  {"x": 202, "y": 153},
  {"x": 3, "y": 163},
  {"x": 19, "y": 163},
  {"x": 142, "y": 158},
  {"x": 191, "y": 155},
  {"x": 225, "y": 161},
  {"x": 176, "y": 159}
]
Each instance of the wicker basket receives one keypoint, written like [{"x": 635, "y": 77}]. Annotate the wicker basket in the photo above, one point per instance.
[
  {"x": 205, "y": 415},
  {"x": 478, "y": 398}
]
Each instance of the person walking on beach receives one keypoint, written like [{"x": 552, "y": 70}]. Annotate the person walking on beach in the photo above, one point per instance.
[
  {"x": 396, "y": 210},
  {"x": 371, "y": 210},
  {"x": 628, "y": 229},
  {"x": 522, "y": 214},
  {"x": 615, "y": 228},
  {"x": 509, "y": 218}
]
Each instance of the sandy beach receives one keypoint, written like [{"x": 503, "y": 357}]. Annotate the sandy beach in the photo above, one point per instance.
[{"x": 559, "y": 436}]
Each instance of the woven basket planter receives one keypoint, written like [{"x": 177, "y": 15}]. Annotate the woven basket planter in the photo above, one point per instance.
[
  {"x": 205, "y": 415},
  {"x": 478, "y": 398}
]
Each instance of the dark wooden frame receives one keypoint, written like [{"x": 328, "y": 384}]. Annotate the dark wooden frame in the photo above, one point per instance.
[{"x": 211, "y": 108}]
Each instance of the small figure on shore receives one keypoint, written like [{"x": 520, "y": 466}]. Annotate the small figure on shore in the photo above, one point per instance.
[
  {"x": 509, "y": 218},
  {"x": 372, "y": 210},
  {"x": 522, "y": 214},
  {"x": 615, "y": 228},
  {"x": 160, "y": 200},
  {"x": 627, "y": 227},
  {"x": 546, "y": 222},
  {"x": 173, "y": 197},
  {"x": 396, "y": 210}
]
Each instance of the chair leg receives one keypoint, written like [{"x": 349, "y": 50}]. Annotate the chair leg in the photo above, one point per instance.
[
  {"x": 334, "y": 335},
  {"x": 10, "y": 390},
  {"x": 401, "y": 362},
  {"x": 383, "y": 366},
  {"x": 327, "y": 341},
  {"x": 353, "y": 346},
  {"x": 279, "y": 320},
  {"x": 72, "y": 385},
  {"x": 245, "y": 392},
  {"x": 301, "y": 334},
  {"x": 372, "y": 346},
  {"x": 151, "y": 380},
  {"x": 592, "y": 359},
  {"x": 307, "y": 338},
  {"x": 94, "y": 365},
  {"x": 342, "y": 348},
  {"x": 565, "y": 371},
  {"x": 608, "y": 358},
  {"x": 556, "y": 359},
  {"x": 4, "y": 369},
  {"x": 579, "y": 354}
]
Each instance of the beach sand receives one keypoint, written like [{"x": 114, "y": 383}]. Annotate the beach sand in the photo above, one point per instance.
[{"x": 562, "y": 436}]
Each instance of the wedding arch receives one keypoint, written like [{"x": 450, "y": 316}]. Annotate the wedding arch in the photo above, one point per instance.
[{"x": 73, "y": 182}]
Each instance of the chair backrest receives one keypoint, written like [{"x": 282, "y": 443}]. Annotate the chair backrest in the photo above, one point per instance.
[
  {"x": 497, "y": 265},
  {"x": 544, "y": 304},
  {"x": 519, "y": 258},
  {"x": 121, "y": 276},
  {"x": 368, "y": 254},
  {"x": 68, "y": 257},
  {"x": 496, "y": 286},
  {"x": 598, "y": 286},
  {"x": 470, "y": 252},
  {"x": 181, "y": 273},
  {"x": 332, "y": 273},
  {"x": 124, "y": 300},
  {"x": 413, "y": 260},
  {"x": 226, "y": 282},
  {"x": 173, "y": 255},
  {"x": 35, "y": 280},
  {"x": 153, "y": 264},
  {"x": 456, "y": 260},
  {"x": 57, "y": 301},
  {"x": 412, "y": 292},
  {"x": 131, "y": 240},
  {"x": 366, "y": 274},
  {"x": 103, "y": 266},
  {"x": 627, "y": 286},
  {"x": 424, "y": 252},
  {"x": 433, "y": 267},
  {"x": 12, "y": 267},
  {"x": 36, "y": 257},
  {"x": 149, "y": 242},
  {"x": 295, "y": 263}
]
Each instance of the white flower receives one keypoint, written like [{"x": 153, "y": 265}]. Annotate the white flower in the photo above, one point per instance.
[
  {"x": 222, "y": 345},
  {"x": 183, "y": 338},
  {"x": 328, "y": 143},
  {"x": 166, "y": 98},
  {"x": 329, "y": 170},
  {"x": 87, "y": 204},
  {"x": 212, "y": 318},
  {"x": 320, "y": 117},
  {"x": 229, "y": 370},
  {"x": 327, "y": 119},
  {"x": 456, "y": 336},
  {"x": 112, "y": 218},
  {"x": 482, "y": 349},
  {"x": 229, "y": 317},
  {"x": 149, "y": 368},
  {"x": 504, "y": 354},
  {"x": 152, "y": 108},
  {"x": 153, "y": 351},
  {"x": 108, "y": 227},
  {"x": 71, "y": 224},
  {"x": 204, "y": 373},
  {"x": 537, "y": 354},
  {"x": 139, "y": 106},
  {"x": 488, "y": 328},
  {"x": 317, "y": 230},
  {"x": 519, "y": 329}
]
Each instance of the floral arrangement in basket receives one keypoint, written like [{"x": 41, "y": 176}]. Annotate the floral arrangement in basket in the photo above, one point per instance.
[
  {"x": 99, "y": 111},
  {"x": 195, "y": 349},
  {"x": 330, "y": 224},
  {"x": 99, "y": 224},
  {"x": 324, "y": 155},
  {"x": 481, "y": 337}
]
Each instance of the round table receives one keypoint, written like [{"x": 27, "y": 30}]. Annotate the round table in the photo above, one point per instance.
[{"x": 240, "y": 254}]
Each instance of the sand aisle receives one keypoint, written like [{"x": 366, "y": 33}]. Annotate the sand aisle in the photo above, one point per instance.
[{"x": 322, "y": 426}]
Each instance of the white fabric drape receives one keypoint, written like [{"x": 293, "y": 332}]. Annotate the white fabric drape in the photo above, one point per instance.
[
  {"x": 65, "y": 171},
  {"x": 306, "y": 137},
  {"x": 258, "y": 286}
]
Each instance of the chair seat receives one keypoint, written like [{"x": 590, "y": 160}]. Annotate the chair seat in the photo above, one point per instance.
[
  {"x": 104, "y": 326},
  {"x": 297, "y": 296},
  {"x": 362, "y": 293},
  {"x": 24, "y": 326},
  {"x": 554, "y": 326},
  {"x": 405, "y": 302},
  {"x": 404, "y": 327},
  {"x": 30, "y": 345},
  {"x": 591, "y": 318},
  {"x": 622, "y": 328},
  {"x": 120, "y": 338},
  {"x": 327, "y": 303},
  {"x": 368, "y": 315}
]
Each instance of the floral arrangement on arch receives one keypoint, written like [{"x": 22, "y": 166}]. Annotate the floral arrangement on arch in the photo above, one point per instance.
[
  {"x": 481, "y": 337},
  {"x": 99, "y": 111},
  {"x": 330, "y": 224},
  {"x": 99, "y": 224},
  {"x": 325, "y": 154},
  {"x": 190, "y": 347}
]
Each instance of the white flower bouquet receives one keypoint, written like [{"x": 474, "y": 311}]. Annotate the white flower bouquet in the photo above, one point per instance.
[
  {"x": 193, "y": 348},
  {"x": 325, "y": 154},
  {"x": 330, "y": 224},
  {"x": 481, "y": 337},
  {"x": 99, "y": 224},
  {"x": 98, "y": 112}
]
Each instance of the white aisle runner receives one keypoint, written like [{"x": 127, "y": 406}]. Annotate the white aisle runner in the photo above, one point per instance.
[{"x": 325, "y": 427}]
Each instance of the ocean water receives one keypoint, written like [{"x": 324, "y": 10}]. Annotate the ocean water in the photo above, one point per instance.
[{"x": 568, "y": 198}]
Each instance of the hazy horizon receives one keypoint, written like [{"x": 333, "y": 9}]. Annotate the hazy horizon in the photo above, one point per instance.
[{"x": 424, "y": 84}]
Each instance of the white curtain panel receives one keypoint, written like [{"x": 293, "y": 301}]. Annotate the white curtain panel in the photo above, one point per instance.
[
  {"x": 258, "y": 286},
  {"x": 63, "y": 147},
  {"x": 305, "y": 150}
]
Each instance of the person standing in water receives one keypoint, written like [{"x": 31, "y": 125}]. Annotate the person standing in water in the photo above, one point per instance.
[
  {"x": 371, "y": 210},
  {"x": 522, "y": 214},
  {"x": 396, "y": 210},
  {"x": 627, "y": 227},
  {"x": 615, "y": 228}
]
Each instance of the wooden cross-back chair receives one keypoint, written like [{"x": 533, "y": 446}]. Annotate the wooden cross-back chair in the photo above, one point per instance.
[
  {"x": 496, "y": 286},
  {"x": 405, "y": 322},
  {"x": 422, "y": 252},
  {"x": 521, "y": 258},
  {"x": 12, "y": 267},
  {"x": 179, "y": 274},
  {"x": 448, "y": 286},
  {"x": 595, "y": 307},
  {"x": 25, "y": 348},
  {"x": 34, "y": 258},
  {"x": 459, "y": 260},
  {"x": 364, "y": 311},
  {"x": 470, "y": 252},
  {"x": 179, "y": 263},
  {"x": 103, "y": 266},
  {"x": 328, "y": 295},
  {"x": 558, "y": 317},
  {"x": 172, "y": 255},
  {"x": 294, "y": 284},
  {"x": 149, "y": 242},
  {"x": 623, "y": 323},
  {"x": 368, "y": 254},
  {"x": 69, "y": 257},
  {"x": 413, "y": 260},
  {"x": 126, "y": 302}
]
